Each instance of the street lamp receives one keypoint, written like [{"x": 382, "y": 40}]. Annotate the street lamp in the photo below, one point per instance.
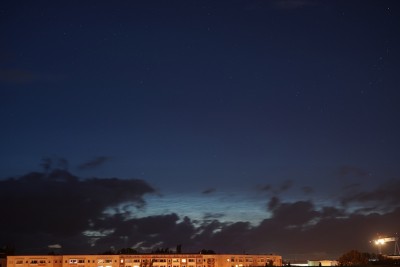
[{"x": 380, "y": 242}]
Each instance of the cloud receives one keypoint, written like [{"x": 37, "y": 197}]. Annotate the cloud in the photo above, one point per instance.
[
  {"x": 208, "y": 191},
  {"x": 283, "y": 187},
  {"x": 273, "y": 203},
  {"x": 87, "y": 216},
  {"x": 208, "y": 216},
  {"x": 94, "y": 163},
  {"x": 50, "y": 207},
  {"x": 54, "y": 162},
  {"x": 307, "y": 190},
  {"x": 384, "y": 197},
  {"x": 266, "y": 188},
  {"x": 294, "y": 229},
  {"x": 286, "y": 185},
  {"x": 294, "y": 214}
]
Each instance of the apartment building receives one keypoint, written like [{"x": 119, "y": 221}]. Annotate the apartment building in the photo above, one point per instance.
[{"x": 146, "y": 260}]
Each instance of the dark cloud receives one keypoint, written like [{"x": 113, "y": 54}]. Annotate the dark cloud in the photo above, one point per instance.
[
  {"x": 273, "y": 203},
  {"x": 54, "y": 162},
  {"x": 54, "y": 206},
  {"x": 386, "y": 196},
  {"x": 208, "y": 191},
  {"x": 286, "y": 185},
  {"x": 332, "y": 212},
  {"x": 295, "y": 214},
  {"x": 266, "y": 188},
  {"x": 209, "y": 216},
  {"x": 307, "y": 190},
  {"x": 94, "y": 163}
]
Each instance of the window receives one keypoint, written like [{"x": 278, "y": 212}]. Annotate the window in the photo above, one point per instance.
[
  {"x": 19, "y": 262},
  {"x": 73, "y": 261}
]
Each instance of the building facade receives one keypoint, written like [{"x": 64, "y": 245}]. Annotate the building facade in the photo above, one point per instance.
[{"x": 146, "y": 260}]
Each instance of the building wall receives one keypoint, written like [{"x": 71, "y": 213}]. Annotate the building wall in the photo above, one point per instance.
[
  {"x": 247, "y": 260},
  {"x": 145, "y": 260},
  {"x": 3, "y": 262},
  {"x": 34, "y": 261},
  {"x": 322, "y": 263}
]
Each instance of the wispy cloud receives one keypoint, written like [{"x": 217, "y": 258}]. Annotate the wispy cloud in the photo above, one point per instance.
[
  {"x": 93, "y": 163},
  {"x": 208, "y": 191}
]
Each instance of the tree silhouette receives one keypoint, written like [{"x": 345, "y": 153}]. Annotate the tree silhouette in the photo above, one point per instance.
[{"x": 354, "y": 258}]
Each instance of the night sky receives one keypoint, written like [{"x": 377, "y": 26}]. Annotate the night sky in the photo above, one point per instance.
[{"x": 239, "y": 126}]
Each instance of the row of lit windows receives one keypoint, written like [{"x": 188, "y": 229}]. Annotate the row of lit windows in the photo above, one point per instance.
[
  {"x": 100, "y": 261},
  {"x": 162, "y": 260},
  {"x": 109, "y": 261},
  {"x": 70, "y": 261},
  {"x": 35, "y": 261},
  {"x": 246, "y": 260}
]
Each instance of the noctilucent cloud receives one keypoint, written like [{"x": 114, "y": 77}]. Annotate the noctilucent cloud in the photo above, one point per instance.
[{"x": 256, "y": 126}]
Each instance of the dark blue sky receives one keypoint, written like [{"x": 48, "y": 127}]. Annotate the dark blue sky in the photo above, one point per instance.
[{"x": 227, "y": 112}]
